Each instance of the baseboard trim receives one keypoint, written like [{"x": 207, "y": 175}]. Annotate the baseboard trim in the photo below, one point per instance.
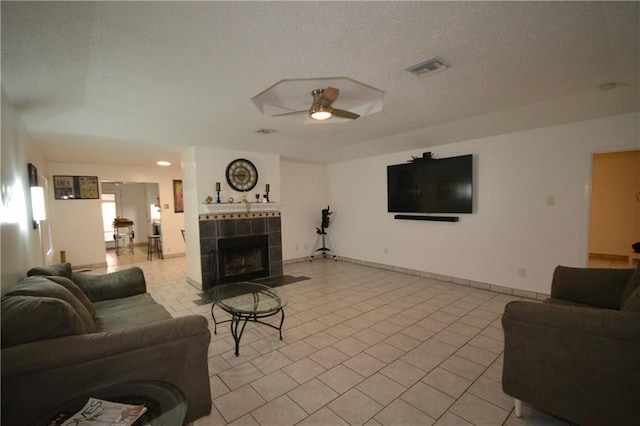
[{"x": 439, "y": 277}]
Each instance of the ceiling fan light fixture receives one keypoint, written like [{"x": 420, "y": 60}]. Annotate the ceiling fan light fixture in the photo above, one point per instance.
[{"x": 321, "y": 113}]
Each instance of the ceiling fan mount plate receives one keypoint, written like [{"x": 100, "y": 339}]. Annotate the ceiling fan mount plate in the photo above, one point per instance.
[{"x": 296, "y": 98}]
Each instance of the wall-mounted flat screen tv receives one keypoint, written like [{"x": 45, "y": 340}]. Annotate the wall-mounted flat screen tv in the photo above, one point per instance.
[{"x": 431, "y": 186}]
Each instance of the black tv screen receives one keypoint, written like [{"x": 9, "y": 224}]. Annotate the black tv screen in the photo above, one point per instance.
[{"x": 431, "y": 186}]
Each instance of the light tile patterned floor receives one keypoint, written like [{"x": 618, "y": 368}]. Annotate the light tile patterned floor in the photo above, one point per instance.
[{"x": 361, "y": 346}]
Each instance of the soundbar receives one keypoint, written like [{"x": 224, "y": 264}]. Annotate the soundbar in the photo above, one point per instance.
[{"x": 431, "y": 218}]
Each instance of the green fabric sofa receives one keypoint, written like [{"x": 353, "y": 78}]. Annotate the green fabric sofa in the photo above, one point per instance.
[
  {"x": 577, "y": 354},
  {"x": 65, "y": 334}
]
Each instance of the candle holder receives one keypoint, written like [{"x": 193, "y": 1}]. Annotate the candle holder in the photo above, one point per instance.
[
  {"x": 266, "y": 194},
  {"x": 218, "y": 192}
]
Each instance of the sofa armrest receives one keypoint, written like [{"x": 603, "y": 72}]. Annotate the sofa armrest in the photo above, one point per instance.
[
  {"x": 578, "y": 363},
  {"x": 601, "y": 288},
  {"x": 56, "y": 370},
  {"x": 74, "y": 350},
  {"x": 114, "y": 285}
]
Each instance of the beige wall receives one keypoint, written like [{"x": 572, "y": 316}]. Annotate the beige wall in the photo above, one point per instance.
[{"x": 615, "y": 206}]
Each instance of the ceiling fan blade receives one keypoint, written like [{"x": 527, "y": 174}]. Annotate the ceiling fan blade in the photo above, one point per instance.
[
  {"x": 345, "y": 114},
  {"x": 306, "y": 111},
  {"x": 329, "y": 95}
]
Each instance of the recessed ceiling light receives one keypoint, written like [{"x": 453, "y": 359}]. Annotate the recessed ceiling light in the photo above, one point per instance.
[{"x": 163, "y": 163}]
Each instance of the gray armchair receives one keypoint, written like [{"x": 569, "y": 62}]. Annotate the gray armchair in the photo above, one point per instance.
[{"x": 577, "y": 354}]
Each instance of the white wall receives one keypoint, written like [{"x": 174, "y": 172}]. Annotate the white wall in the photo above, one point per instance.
[
  {"x": 20, "y": 243},
  {"x": 77, "y": 224},
  {"x": 512, "y": 228},
  {"x": 305, "y": 192},
  {"x": 202, "y": 168}
]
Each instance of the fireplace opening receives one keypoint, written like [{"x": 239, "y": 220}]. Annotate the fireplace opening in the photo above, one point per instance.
[{"x": 243, "y": 258}]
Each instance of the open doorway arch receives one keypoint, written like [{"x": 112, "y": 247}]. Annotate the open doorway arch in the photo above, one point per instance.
[
  {"x": 137, "y": 202},
  {"x": 615, "y": 208}
]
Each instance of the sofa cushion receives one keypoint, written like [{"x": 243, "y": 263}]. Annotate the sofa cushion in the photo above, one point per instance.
[
  {"x": 27, "y": 318},
  {"x": 632, "y": 285},
  {"x": 76, "y": 291},
  {"x": 42, "y": 287},
  {"x": 111, "y": 306},
  {"x": 57, "y": 270},
  {"x": 562, "y": 302},
  {"x": 135, "y": 316}
]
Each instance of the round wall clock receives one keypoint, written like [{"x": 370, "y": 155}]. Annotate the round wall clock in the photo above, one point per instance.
[{"x": 242, "y": 175}]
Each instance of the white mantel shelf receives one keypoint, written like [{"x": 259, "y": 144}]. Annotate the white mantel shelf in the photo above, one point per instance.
[{"x": 220, "y": 208}]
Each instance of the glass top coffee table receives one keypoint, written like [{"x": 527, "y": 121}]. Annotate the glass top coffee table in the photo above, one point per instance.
[{"x": 246, "y": 301}]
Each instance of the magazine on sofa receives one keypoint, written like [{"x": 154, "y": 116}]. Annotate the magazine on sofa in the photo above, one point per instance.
[{"x": 98, "y": 412}]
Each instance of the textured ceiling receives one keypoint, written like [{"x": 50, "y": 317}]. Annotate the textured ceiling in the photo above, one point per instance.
[{"x": 133, "y": 82}]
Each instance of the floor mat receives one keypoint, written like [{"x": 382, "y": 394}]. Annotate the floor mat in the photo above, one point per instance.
[
  {"x": 281, "y": 280},
  {"x": 268, "y": 281}
]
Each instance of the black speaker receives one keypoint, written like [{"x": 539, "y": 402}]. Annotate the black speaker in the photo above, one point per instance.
[
  {"x": 636, "y": 247},
  {"x": 430, "y": 218}
]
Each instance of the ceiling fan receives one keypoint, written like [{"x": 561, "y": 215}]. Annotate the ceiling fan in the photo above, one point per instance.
[{"x": 321, "y": 108}]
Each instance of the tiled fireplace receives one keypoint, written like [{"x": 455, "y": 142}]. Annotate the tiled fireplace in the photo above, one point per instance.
[{"x": 239, "y": 246}]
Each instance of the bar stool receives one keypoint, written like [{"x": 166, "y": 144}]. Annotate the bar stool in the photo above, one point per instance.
[{"x": 154, "y": 245}]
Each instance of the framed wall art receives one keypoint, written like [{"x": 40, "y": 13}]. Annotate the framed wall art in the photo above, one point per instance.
[
  {"x": 76, "y": 187},
  {"x": 178, "y": 200}
]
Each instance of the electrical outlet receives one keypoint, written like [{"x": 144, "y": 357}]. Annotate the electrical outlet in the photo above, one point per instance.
[
  {"x": 522, "y": 272},
  {"x": 386, "y": 250},
  {"x": 297, "y": 247},
  {"x": 551, "y": 201}
]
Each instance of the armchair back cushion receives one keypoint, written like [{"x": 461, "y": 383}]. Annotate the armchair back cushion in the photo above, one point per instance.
[
  {"x": 42, "y": 287},
  {"x": 632, "y": 286},
  {"x": 590, "y": 286},
  {"x": 632, "y": 304},
  {"x": 29, "y": 319}
]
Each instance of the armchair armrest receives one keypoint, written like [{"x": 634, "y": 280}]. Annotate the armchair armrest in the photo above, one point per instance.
[
  {"x": 114, "y": 285},
  {"x": 578, "y": 363},
  {"x": 588, "y": 322},
  {"x": 601, "y": 288}
]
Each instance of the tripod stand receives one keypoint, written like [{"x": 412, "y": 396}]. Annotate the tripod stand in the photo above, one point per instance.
[{"x": 322, "y": 234}]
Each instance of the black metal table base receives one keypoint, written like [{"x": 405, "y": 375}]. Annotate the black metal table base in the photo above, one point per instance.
[{"x": 237, "y": 318}]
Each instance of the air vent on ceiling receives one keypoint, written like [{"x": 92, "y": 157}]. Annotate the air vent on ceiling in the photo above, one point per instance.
[{"x": 430, "y": 66}]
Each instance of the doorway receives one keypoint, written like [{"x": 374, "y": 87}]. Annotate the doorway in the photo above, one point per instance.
[
  {"x": 136, "y": 204},
  {"x": 615, "y": 209}
]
